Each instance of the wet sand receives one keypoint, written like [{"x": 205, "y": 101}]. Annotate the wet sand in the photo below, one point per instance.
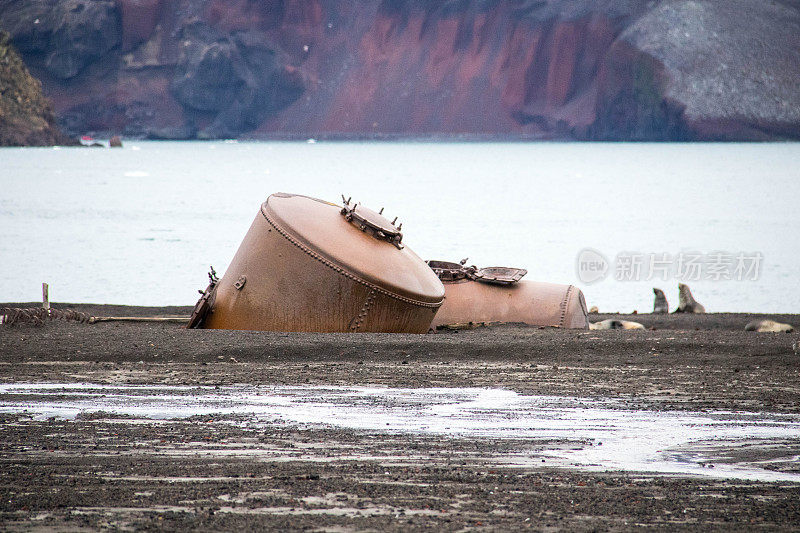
[{"x": 219, "y": 472}]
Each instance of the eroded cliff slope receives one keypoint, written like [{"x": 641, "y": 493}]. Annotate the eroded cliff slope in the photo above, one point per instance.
[
  {"x": 26, "y": 117},
  {"x": 567, "y": 69}
]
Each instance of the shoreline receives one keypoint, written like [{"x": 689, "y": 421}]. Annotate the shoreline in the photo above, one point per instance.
[
  {"x": 680, "y": 361},
  {"x": 716, "y": 320}
]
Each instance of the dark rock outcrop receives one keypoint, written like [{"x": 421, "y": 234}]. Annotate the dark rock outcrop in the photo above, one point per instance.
[
  {"x": 238, "y": 78},
  {"x": 68, "y": 34},
  {"x": 567, "y": 69},
  {"x": 26, "y": 118}
]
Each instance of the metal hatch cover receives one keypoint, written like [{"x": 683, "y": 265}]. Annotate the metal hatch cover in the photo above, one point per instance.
[
  {"x": 500, "y": 275},
  {"x": 448, "y": 271},
  {"x": 371, "y": 222}
]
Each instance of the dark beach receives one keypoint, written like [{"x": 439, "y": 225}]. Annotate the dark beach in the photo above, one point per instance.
[{"x": 207, "y": 473}]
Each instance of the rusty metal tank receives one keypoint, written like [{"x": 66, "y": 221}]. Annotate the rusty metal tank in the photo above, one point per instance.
[
  {"x": 310, "y": 265},
  {"x": 496, "y": 294}
]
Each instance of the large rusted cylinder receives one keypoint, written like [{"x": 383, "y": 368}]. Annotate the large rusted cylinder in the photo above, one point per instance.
[
  {"x": 309, "y": 265},
  {"x": 468, "y": 299}
]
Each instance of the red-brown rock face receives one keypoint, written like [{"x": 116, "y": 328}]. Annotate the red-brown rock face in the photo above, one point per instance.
[
  {"x": 473, "y": 72},
  {"x": 582, "y": 69}
]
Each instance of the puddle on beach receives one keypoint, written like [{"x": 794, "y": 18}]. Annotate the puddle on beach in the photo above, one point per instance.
[{"x": 591, "y": 434}]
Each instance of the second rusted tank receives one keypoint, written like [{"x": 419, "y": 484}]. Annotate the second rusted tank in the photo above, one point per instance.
[
  {"x": 490, "y": 295},
  {"x": 310, "y": 265}
]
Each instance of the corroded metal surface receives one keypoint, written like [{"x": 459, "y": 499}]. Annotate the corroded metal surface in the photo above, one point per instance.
[
  {"x": 303, "y": 266},
  {"x": 473, "y": 297}
]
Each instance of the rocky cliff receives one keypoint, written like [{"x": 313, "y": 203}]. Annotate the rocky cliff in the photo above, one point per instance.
[
  {"x": 26, "y": 117},
  {"x": 564, "y": 69}
]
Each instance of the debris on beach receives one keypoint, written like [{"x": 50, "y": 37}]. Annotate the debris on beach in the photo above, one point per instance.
[
  {"x": 310, "y": 265},
  {"x": 38, "y": 315},
  {"x": 497, "y": 295}
]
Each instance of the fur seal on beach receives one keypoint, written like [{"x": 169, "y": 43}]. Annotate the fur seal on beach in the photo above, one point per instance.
[
  {"x": 768, "y": 326},
  {"x": 686, "y": 303},
  {"x": 660, "y": 305},
  {"x": 612, "y": 323}
]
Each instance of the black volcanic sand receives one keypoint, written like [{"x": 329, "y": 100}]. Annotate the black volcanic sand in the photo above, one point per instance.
[{"x": 101, "y": 472}]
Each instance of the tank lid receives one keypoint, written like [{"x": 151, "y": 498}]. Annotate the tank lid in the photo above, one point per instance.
[
  {"x": 500, "y": 275},
  {"x": 448, "y": 271},
  {"x": 372, "y": 223},
  {"x": 365, "y": 244}
]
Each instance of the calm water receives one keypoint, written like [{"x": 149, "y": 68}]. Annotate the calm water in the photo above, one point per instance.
[{"x": 141, "y": 225}]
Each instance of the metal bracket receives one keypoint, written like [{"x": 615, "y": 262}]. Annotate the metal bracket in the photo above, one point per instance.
[{"x": 205, "y": 303}]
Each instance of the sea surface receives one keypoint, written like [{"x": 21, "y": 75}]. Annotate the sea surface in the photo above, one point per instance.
[{"x": 141, "y": 225}]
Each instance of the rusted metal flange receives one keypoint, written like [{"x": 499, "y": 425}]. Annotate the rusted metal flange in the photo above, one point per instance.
[{"x": 371, "y": 222}]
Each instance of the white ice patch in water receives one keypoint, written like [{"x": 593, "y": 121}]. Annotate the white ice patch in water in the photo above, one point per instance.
[{"x": 600, "y": 434}]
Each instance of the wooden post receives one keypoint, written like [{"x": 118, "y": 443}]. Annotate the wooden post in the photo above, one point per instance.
[{"x": 45, "y": 296}]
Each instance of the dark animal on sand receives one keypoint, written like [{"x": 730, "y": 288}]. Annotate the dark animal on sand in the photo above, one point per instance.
[
  {"x": 686, "y": 303},
  {"x": 660, "y": 305}
]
